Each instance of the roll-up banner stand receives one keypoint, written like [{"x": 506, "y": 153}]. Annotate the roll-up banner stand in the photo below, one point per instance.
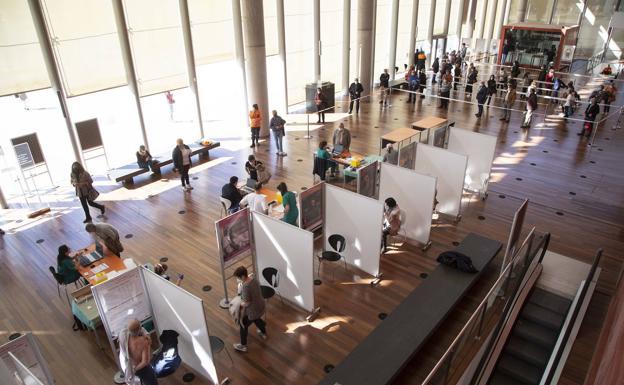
[
  {"x": 480, "y": 150},
  {"x": 235, "y": 240},
  {"x": 414, "y": 194},
  {"x": 25, "y": 349},
  {"x": 359, "y": 220},
  {"x": 514, "y": 232},
  {"x": 285, "y": 260},
  {"x": 450, "y": 170},
  {"x": 311, "y": 207}
]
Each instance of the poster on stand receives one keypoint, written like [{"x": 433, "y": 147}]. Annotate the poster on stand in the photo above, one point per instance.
[
  {"x": 234, "y": 236},
  {"x": 367, "y": 180},
  {"x": 439, "y": 137},
  {"x": 311, "y": 204},
  {"x": 407, "y": 156}
]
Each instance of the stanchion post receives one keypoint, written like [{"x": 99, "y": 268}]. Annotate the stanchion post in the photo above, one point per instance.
[{"x": 308, "y": 136}]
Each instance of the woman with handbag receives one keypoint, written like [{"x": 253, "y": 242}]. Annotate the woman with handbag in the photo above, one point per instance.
[{"x": 85, "y": 191}]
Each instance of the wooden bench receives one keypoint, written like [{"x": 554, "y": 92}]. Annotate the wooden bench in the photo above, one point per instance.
[
  {"x": 379, "y": 358},
  {"x": 127, "y": 173}
]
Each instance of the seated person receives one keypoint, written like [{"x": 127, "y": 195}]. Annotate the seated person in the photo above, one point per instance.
[
  {"x": 392, "y": 221},
  {"x": 232, "y": 193},
  {"x": 255, "y": 200},
  {"x": 342, "y": 136},
  {"x": 322, "y": 153},
  {"x": 391, "y": 156},
  {"x": 66, "y": 266},
  {"x": 144, "y": 158},
  {"x": 252, "y": 167}
]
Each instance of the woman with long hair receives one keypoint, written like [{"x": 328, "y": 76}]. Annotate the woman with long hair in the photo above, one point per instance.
[
  {"x": 65, "y": 265},
  {"x": 85, "y": 191}
]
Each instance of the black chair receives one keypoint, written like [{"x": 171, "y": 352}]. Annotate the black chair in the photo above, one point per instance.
[
  {"x": 59, "y": 282},
  {"x": 338, "y": 243},
  {"x": 271, "y": 275},
  {"x": 217, "y": 345}
]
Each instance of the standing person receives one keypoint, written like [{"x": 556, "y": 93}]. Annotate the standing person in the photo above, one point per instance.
[
  {"x": 390, "y": 155},
  {"x": 252, "y": 307},
  {"x": 506, "y": 47},
  {"x": 321, "y": 104},
  {"x": 136, "y": 353},
  {"x": 355, "y": 92},
  {"x": 569, "y": 102},
  {"x": 144, "y": 158},
  {"x": 531, "y": 105},
  {"x": 445, "y": 89},
  {"x": 108, "y": 234},
  {"x": 289, "y": 201},
  {"x": 422, "y": 58},
  {"x": 515, "y": 70},
  {"x": 526, "y": 83},
  {"x": 491, "y": 85},
  {"x": 482, "y": 95},
  {"x": 463, "y": 51},
  {"x": 472, "y": 78},
  {"x": 384, "y": 87},
  {"x": 85, "y": 191},
  {"x": 253, "y": 166},
  {"x": 342, "y": 136},
  {"x": 231, "y": 192},
  {"x": 422, "y": 81},
  {"x": 412, "y": 86},
  {"x": 255, "y": 121},
  {"x": 181, "y": 156},
  {"x": 392, "y": 221},
  {"x": 609, "y": 96},
  {"x": 65, "y": 265},
  {"x": 510, "y": 98},
  {"x": 457, "y": 76},
  {"x": 277, "y": 126},
  {"x": 435, "y": 67},
  {"x": 591, "y": 112},
  {"x": 256, "y": 201},
  {"x": 170, "y": 102}
]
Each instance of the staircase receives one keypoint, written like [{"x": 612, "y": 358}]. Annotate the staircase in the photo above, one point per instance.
[{"x": 528, "y": 349}]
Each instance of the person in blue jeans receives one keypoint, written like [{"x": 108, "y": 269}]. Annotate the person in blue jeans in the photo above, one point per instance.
[{"x": 277, "y": 126}]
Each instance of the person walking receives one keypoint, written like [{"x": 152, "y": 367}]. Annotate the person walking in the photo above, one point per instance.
[
  {"x": 510, "y": 98},
  {"x": 86, "y": 193},
  {"x": 482, "y": 95},
  {"x": 384, "y": 87},
  {"x": 491, "y": 85},
  {"x": 355, "y": 92},
  {"x": 277, "y": 127},
  {"x": 255, "y": 121},
  {"x": 435, "y": 67},
  {"x": 108, "y": 234},
  {"x": 181, "y": 156},
  {"x": 252, "y": 307},
  {"x": 531, "y": 105},
  {"x": 591, "y": 112},
  {"x": 170, "y": 102},
  {"x": 321, "y": 104}
]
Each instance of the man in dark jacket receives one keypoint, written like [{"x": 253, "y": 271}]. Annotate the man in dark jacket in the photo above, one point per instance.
[
  {"x": 591, "y": 112},
  {"x": 181, "y": 156},
  {"x": 231, "y": 192},
  {"x": 436, "y": 68},
  {"x": 482, "y": 95},
  {"x": 384, "y": 87},
  {"x": 531, "y": 105},
  {"x": 355, "y": 92}
]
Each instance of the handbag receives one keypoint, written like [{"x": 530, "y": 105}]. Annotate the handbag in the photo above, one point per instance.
[{"x": 93, "y": 194}]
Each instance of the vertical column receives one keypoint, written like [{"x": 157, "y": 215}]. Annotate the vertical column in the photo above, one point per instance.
[
  {"x": 472, "y": 9},
  {"x": 413, "y": 33},
  {"x": 488, "y": 31},
  {"x": 281, "y": 41},
  {"x": 190, "y": 59},
  {"x": 366, "y": 12},
  {"x": 430, "y": 30},
  {"x": 460, "y": 18},
  {"x": 394, "y": 31},
  {"x": 445, "y": 26},
  {"x": 481, "y": 20},
  {"x": 503, "y": 7},
  {"x": 522, "y": 8},
  {"x": 506, "y": 14},
  {"x": 53, "y": 72},
  {"x": 346, "y": 43},
  {"x": 317, "y": 40},
  {"x": 126, "y": 54},
  {"x": 253, "y": 18},
  {"x": 239, "y": 49}
]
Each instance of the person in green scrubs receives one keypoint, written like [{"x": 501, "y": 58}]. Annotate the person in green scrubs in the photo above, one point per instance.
[
  {"x": 66, "y": 266},
  {"x": 289, "y": 201},
  {"x": 322, "y": 153}
]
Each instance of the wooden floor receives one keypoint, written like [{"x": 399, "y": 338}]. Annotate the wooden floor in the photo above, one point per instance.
[{"x": 576, "y": 194}]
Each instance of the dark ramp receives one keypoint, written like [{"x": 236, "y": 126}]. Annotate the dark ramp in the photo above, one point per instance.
[{"x": 384, "y": 352}]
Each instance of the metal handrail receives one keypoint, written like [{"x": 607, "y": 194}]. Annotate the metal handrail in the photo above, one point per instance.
[{"x": 450, "y": 351}]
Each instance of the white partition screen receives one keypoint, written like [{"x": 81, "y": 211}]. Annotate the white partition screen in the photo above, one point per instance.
[
  {"x": 450, "y": 169},
  {"x": 176, "y": 309},
  {"x": 290, "y": 251},
  {"x": 480, "y": 150},
  {"x": 414, "y": 194},
  {"x": 359, "y": 219}
]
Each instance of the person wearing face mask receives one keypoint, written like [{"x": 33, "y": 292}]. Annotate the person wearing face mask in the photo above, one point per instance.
[
  {"x": 85, "y": 191},
  {"x": 252, "y": 307},
  {"x": 321, "y": 104},
  {"x": 355, "y": 92},
  {"x": 392, "y": 221},
  {"x": 342, "y": 136}
]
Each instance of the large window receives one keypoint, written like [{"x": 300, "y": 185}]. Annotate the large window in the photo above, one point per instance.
[
  {"x": 331, "y": 41},
  {"x": 382, "y": 36},
  {"x": 299, "y": 48},
  {"x": 403, "y": 34},
  {"x": 567, "y": 12},
  {"x": 539, "y": 10},
  {"x": 354, "y": 47},
  {"x": 274, "y": 63}
]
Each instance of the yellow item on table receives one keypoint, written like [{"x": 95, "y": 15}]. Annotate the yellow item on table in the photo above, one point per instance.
[
  {"x": 354, "y": 162},
  {"x": 100, "y": 277}
]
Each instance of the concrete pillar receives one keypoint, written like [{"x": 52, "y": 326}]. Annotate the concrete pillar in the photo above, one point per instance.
[
  {"x": 239, "y": 49},
  {"x": 281, "y": 41},
  {"x": 54, "y": 74},
  {"x": 445, "y": 26},
  {"x": 430, "y": 30},
  {"x": 317, "y": 40},
  {"x": 480, "y": 21},
  {"x": 506, "y": 14},
  {"x": 488, "y": 31},
  {"x": 253, "y": 26},
  {"x": 460, "y": 18},
  {"x": 503, "y": 5},
  {"x": 346, "y": 43},
  {"x": 190, "y": 59},
  {"x": 413, "y": 33},
  {"x": 394, "y": 30},
  {"x": 470, "y": 18},
  {"x": 522, "y": 8},
  {"x": 366, "y": 19}
]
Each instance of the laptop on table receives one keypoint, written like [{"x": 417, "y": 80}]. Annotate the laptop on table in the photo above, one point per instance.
[
  {"x": 249, "y": 187},
  {"x": 337, "y": 150},
  {"x": 86, "y": 260}
]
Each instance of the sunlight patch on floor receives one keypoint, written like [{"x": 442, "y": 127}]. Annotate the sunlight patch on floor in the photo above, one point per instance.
[{"x": 327, "y": 324}]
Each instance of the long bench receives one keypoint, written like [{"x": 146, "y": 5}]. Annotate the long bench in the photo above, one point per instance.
[
  {"x": 126, "y": 173},
  {"x": 379, "y": 358}
]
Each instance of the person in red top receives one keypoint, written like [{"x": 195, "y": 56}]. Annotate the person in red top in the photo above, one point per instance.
[
  {"x": 319, "y": 100},
  {"x": 255, "y": 121},
  {"x": 170, "y": 101}
]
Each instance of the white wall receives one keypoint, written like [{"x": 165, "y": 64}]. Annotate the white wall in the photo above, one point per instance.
[
  {"x": 480, "y": 150},
  {"x": 290, "y": 250},
  {"x": 414, "y": 194},
  {"x": 359, "y": 219}
]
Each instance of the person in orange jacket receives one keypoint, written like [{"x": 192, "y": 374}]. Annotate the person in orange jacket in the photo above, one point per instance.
[{"x": 255, "y": 121}]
